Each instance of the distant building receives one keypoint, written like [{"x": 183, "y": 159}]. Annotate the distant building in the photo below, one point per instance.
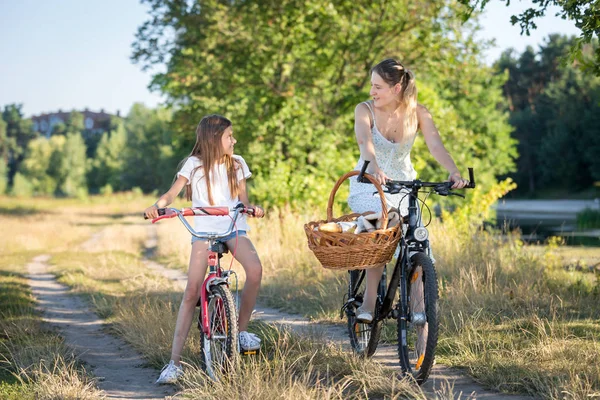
[{"x": 94, "y": 122}]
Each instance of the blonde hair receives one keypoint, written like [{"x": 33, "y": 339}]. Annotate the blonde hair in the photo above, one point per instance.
[
  {"x": 209, "y": 150},
  {"x": 392, "y": 72}
]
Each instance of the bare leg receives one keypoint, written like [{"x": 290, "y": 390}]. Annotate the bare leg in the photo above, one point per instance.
[
  {"x": 373, "y": 278},
  {"x": 247, "y": 256},
  {"x": 196, "y": 272}
]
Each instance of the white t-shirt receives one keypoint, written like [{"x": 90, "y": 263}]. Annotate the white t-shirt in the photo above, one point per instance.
[{"x": 220, "y": 193}]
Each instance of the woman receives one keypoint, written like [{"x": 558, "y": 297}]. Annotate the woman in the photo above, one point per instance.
[{"x": 386, "y": 128}]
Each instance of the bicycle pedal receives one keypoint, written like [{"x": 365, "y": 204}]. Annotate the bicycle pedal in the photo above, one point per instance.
[{"x": 254, "y": 352}]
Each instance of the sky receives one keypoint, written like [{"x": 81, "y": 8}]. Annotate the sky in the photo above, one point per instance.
[{"x": 74, "y": 54}]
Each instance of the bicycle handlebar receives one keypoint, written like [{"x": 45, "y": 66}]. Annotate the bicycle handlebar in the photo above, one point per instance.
[
  {"x": 204, "y": 211},
  {"x": 441, "y": 188},
  {"x": 199, "y": 212}
]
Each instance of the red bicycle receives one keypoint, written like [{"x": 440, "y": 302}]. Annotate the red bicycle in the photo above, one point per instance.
[{"x": 217, "y": 321}]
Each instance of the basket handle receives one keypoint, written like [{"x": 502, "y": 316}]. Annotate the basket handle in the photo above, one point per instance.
[{"x": 384, "y": 211}]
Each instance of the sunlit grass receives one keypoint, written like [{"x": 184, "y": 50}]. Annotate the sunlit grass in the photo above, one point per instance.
[
  {"x": 293, "y": 367},
  {"x": 34, "y": 362},
  {"x": 511, "y": 314}
]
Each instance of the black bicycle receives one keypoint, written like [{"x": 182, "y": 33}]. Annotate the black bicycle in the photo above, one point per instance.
[{"x": 416, "y": 309}]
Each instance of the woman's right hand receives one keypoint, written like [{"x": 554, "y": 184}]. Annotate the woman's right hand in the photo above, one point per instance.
[
  {"x": 258, "y": 212},
  {"x": 151, "y": 212},
  {"x": 379, "y": 175}
]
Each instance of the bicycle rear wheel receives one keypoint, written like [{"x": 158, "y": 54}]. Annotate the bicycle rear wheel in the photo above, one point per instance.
[
  {"x": 418, "y": 334},
  {"x": 220, "y": 348},
  {"x": 364, "y": 338}
]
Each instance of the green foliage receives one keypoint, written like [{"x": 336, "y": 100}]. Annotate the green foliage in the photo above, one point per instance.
[
  {"x": 3, "y": 176},
  {"x": 21, "y": 186},
  {"x": 290, "y": 73},
  {"x": 106, "y": 168},
  {"x": 149, "y": 160},
  {"x": 585, "y": 14},
  {"x": 72, "y": 168},
  {"x": 18, "y": 132},
  {"x": 3, "y": 158},
  {"x": 55, "y": 166},
  {"x": 41, "y": 166},
  {"x": 588, "y": 219},
  {"x": 106, "y": 190},
  {"x": 135, "y": 153},
  {"x": 555, "y": 114}
]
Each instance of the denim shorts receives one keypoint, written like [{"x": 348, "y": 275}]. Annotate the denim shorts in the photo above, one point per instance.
[{"x": 225, "y": 239}]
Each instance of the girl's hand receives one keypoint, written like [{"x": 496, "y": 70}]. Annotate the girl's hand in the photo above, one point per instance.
[
  {"x": 458, "y": 181},
  {"x": 151, "y": 212},
  {"x": 258, "y": 212},
  {"x": 380, "y": 176}
]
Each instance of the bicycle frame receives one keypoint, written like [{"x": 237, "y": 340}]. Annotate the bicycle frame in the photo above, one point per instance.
[
  {"x": 407, "y": 244},
  {"x": 215, "y": 276},
  {"x": 414, "y": 274}
]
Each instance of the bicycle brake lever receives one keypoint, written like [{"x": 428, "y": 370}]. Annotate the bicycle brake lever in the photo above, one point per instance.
[
  {"x": 456, "y": 194},
  {"x": 443, "y": 190}
]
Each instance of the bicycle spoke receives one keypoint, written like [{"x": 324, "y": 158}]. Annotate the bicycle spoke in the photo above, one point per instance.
[
  {"x": 363, "y": 337},
  {"x": 218, "y": 326},
  {"x": 421, "y": 325},
  {"x": 418, "y": 319}
]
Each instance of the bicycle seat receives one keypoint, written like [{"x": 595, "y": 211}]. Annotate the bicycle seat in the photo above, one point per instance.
[{"x": 219, "y": 247}]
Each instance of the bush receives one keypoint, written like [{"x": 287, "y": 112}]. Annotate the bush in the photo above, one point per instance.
[
  {"x": 588, "y": 219},
  {"x": 3, "y": 177},
  {"x": 22, "y": 187}
]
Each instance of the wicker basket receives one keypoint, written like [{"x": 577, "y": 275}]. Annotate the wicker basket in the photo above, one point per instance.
[{"x": 346, "y": 251}]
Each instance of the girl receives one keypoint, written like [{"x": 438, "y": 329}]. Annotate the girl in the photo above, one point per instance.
[
  {"x": 213, "y": 175},
  {"x": 385, "y": 129}
]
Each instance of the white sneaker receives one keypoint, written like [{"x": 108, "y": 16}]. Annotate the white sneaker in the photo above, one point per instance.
[
  {"x": 170, "y": 373},
  {"x": 363, "y": 316},
  {"x": 249, "y": 341}
]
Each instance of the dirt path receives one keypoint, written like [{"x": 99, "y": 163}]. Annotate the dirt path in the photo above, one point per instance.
[
  {"x": 441, "y": 378},
  {"x": 113, "y": 362}
]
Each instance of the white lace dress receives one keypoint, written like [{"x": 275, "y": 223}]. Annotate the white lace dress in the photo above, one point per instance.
[{"x": 394, "y": 160}]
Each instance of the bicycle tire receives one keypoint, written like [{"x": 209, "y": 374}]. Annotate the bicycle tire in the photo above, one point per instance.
[
  {"x": 364, "y": 338},
  {"x": 418, "y": 334},
  {"x": 222, "y": 345}
]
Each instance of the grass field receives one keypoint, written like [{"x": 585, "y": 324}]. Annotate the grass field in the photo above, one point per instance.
[{"x": 512, "y": 315}]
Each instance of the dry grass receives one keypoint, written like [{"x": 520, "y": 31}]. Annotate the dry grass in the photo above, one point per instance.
[
  {"x": 34, "y": 363},
  {"x": 515, "y": 318},
  {"x": 59, "y": 380},
  {"x": 489, "y": 285},
  {"x": 293, "y": 367}
]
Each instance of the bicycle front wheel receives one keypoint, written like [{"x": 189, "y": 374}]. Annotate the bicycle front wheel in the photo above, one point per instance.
[
  {"x": 364, "y": 338},
  {"x": 418, "y": 333},
  {"x": 219, "y": 349}
]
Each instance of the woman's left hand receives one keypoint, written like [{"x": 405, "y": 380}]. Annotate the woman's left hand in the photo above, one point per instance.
[
  {"x": 457, "y": 180},
  {"x": 258, "y": 212}
]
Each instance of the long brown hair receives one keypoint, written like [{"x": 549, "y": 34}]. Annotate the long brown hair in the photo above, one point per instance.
[
  {"x": 209, "y": 150},
  {"x": 392, "y": 73}
]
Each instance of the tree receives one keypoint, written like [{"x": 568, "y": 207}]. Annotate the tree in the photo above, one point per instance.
[
  {"x": 39, "y": 173},
  {"x": 19, "y": 132},
  {"x": 108, "y": 163},
  {"x": 585, "y": 14},
  {"x": 149, "y": 161},
  {"x": 73, "y": 167},
  {"x": 554, "y": 111},
  {"x": 569, "y": 151},
  {"x": 289, "y": 73},
  {"x": 3, "y": 158}
]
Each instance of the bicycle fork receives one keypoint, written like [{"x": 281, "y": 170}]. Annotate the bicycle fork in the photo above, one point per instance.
[{"x": 213, "y": 278}]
